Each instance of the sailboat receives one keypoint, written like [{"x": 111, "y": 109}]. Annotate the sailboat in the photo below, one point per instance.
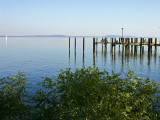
[{"x": 6, "y": 39}]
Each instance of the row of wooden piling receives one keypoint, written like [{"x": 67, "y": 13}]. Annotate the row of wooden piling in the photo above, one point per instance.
[
  {"x": 126, "y": 41},
  {"x": 75, "y": 44},
  {"x": 75, "y": 48},
  {"x": 120, "y": 41}
]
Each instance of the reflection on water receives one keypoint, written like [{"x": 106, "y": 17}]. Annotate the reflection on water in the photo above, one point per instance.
[
  {"x": 121, "y": 53},
  {"x": 40, "y": 57}
]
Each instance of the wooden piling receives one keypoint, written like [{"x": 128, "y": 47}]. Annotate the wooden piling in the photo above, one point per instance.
[
  {"x": 75, "y": 44},
  {"x": 93, "y": 45},
  {"x": 96, "y": 40},
  {"x": 96, "y": 46},
  {"x": 122, "y": 40},
  {"x": 149, "y": 44},
  {"x": 151, "y": 40},
  {"x": 134, "y": 40},
  {"x": 112, "y": 41},
  {"x": 102, "y": 46},
  {"x": 155, "y": 41},
  {"x": 128, "y": 41},
  {"x": 105, "y": 43},
  {"x": 115, "y": 40},
  {"x": 69, "y": 49},
  {"x": 131, "y": 40},
  {"x": 69, "y": 43},
  {"x": 83, "y": 44},
  {"x": 141, "y": 39},
  {"x": 75, "y": 50}
]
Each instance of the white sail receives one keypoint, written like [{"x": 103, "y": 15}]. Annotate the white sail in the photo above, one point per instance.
[{"x": 6, "y": 40}]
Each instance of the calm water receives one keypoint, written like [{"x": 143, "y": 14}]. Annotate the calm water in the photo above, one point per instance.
[{"x": 39, "y": 57}]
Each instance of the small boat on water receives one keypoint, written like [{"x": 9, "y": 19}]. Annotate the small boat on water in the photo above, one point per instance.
[
  {"x": 6, "y": 36},
  {"x": 6, "y": 39}
]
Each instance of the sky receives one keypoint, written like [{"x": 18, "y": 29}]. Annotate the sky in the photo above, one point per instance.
[{"x": 80, "y": 17}]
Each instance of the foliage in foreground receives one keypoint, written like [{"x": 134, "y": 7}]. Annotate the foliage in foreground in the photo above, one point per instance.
[
  {"x": 12, "y": 98},
  {"x": 83, "y": 94}
]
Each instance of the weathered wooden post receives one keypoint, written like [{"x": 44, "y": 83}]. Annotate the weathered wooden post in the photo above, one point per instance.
[
  {"x": 134, "y": 40},
  {"x": 94, "y": 39},
  {"x": 69, "y": 43},
  {"x": 75, "y": 49},
  {"x": 128, "y": 41},
  {"x": 75, "y": 44},
  {"x": 102, "y": 45},
  {"x": 105, "y": 43},
  {"x": 83, "y": 48},
  {"x": 105, "y": 50},
  {"x": 155, "y": 41},
  {"x": 149, "y": 49},
  {"x": 155, "y": 53},
  {"x": 69, "y": 48},
  {"x": 141, "y": 39},
  {"x": 83, "y": 44},
  {"x": 149, "y": 44},
  {"x": 93, "y": 45},
  {"x": 96, "y": 46},
  {"x": 123, "y": 40},
  {"x": 112, "y": 41},
  {"x": 131, "y": 40}
]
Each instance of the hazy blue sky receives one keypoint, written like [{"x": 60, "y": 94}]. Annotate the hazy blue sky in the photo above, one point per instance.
[{"x": 80, "y": 17}]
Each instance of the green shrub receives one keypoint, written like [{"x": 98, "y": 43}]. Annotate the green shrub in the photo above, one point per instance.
[
  {"x": 12, "y": 98},
  {"x": 91, "y": 94},
  {"x": 86, "y": 94}
]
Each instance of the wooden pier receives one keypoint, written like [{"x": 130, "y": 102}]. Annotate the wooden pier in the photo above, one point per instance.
[
  {"x": 119, "y": 41},
  {"x": 127, "y": 46},
  {"x": 127, "y": 42}
]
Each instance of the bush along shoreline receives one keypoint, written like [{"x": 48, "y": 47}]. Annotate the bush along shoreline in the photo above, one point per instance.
[{"x": 86, "y": 94}]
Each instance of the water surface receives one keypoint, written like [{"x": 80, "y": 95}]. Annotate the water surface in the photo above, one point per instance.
[{"x": 42, "y": 56}]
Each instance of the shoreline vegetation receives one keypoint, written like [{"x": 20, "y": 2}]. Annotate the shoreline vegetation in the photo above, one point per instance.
[{"x": 86, "y": 94}]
